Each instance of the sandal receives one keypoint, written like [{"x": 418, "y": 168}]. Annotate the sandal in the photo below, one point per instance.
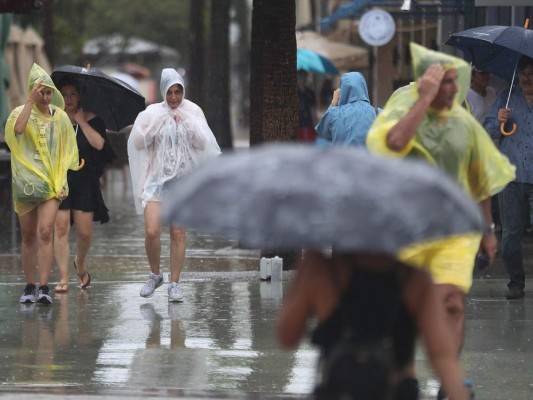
[
  {"x": 83, "y": 285},
  {"x": 61, "y": 288}
]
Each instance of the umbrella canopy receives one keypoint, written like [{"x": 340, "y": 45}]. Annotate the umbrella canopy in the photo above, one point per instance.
[
  {"x": 288, "y": 196},
  {"x": 113, "y": 100},
  {"x": 494, "y": 49},
  {"x": 310, "y": 61}
]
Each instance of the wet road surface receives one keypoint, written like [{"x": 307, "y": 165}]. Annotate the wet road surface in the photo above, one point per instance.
[{"x": 219, "y": 343}]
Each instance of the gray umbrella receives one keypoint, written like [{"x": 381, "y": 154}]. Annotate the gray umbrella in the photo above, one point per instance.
[{"x": 293, "y": 196}]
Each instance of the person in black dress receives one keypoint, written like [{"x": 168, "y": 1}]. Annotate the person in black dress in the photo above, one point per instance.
[
  {"x": 85, "y": 202},
  {"x": 369, "y": 309}
]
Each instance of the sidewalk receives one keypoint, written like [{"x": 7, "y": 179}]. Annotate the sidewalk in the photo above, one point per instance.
[{"x": 109, "y": 343}]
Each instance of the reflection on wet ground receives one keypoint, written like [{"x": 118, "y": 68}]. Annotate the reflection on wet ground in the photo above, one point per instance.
[
  {"x": 218, "y": 343},
  {"x": 219, "y": 339}
]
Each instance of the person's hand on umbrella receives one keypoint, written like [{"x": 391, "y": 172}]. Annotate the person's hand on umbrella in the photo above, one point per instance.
[
  {"x": 503, "y": 115},
  {"x": 429, "y": 83}
]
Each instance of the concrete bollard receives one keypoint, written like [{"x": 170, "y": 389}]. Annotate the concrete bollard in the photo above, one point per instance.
[
  {"x": 265, "y": 268},
  {"x": 276, "y": 269}
]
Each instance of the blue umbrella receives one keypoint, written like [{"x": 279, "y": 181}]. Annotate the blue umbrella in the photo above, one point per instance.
[{"x": 310, "y": 61}]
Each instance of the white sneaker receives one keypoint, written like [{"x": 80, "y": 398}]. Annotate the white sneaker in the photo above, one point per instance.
[
  {"x": 153, "y": 282},
  {"x": 174, "y": 292}
]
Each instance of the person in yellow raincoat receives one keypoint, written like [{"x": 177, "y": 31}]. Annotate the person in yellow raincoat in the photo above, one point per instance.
[
  {"x": 43, "y": 147},
  {"x": 426, "y": 120}
]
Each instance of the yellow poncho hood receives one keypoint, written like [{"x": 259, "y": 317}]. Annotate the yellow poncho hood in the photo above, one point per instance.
[{"x": 451, "y": 139}]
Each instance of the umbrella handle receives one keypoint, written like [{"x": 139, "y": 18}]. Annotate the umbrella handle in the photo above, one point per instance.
[
  {"x": 502, "y": 126},
  {"x": 504, "y": 132},
  {"x": 82, "y": 164}
]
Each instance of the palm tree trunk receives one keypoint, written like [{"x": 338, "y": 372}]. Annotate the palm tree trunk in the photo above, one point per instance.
[
  {"x": 273, "y": 85},
  {"x": 218, "y": 113},
  {"x": 196, "y": 82}
]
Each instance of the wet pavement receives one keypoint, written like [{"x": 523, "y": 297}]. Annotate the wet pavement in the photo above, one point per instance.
[{"x": 108, "y": 342}]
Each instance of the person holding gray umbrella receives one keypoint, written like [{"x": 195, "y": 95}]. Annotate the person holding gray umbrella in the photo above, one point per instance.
[
  {"x": 369, "y": 309},
  {"x": 517, "y": 197},
  {"x": 369, "y": 206},
  {"x": 167, "y": 141}
]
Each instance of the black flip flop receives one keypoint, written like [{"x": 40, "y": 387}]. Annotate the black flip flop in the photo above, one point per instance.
[{"x": 81, "y": 276}]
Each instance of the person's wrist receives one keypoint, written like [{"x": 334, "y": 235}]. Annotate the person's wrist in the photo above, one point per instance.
[
  {"x": 425, "y": 99},
  {"x": 492, "y": 228}
]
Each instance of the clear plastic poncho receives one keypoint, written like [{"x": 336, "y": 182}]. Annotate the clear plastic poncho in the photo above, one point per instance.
[
  {"x": 42, "y": 154},
  {"x": 451, "y": 139},
  {"x": 165, "y": 144}
]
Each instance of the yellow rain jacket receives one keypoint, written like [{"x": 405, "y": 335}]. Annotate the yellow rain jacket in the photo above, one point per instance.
[
  {"x": 456, "y": 143},
  {"x": 451, "y": 139},
  {"x": 42, "y": 154}
]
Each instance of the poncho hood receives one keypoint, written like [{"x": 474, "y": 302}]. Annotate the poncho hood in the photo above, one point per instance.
[
  {"x": 170, "y": 77},
  {"x": 353, "y": 88},
  {"x": 38, "y": 75},
  {"x": 423, "y": 58}
]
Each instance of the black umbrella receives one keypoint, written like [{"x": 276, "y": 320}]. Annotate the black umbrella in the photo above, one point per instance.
[
  {"x": 113, "y": 100},
  {"x": 495, "y": 49},
  {"x": 293, "y": 196}
]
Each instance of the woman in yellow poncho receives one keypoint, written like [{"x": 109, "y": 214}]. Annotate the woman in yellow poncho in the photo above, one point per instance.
[
  {"x": 43, "y": 147},
  {"x": 426, "y": 120}
]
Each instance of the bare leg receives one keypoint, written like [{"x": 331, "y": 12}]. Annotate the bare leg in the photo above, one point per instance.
[
  {"x": 84, "y": 236},
  {"x": 28, "y": 254},
  {"x": 61, "y": 244},
  {"x": 152, "y": 239},
  {"x": 454, "y": 303},
  {"x": 46, "y": 216},
  {"x": 177, "y": 252},
  {"x": 452, "y": 300}
]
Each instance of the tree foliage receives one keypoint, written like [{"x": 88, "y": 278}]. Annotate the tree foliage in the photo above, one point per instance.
[{"x": 75, "y": 21}]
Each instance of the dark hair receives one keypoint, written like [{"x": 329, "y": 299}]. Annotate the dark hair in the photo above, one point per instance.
[
  {"x": 68, "y": 81},
  {"x": 524, "y": 62}
]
